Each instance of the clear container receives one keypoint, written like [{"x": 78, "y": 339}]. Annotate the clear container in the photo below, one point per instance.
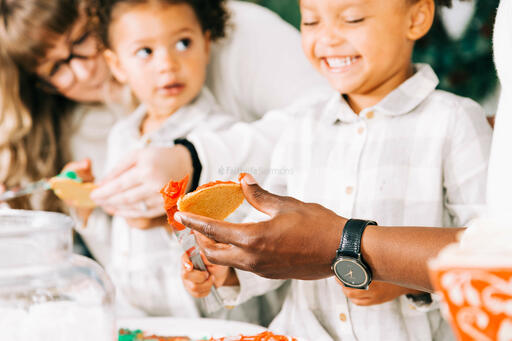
[{"x": 46, "y": 291}]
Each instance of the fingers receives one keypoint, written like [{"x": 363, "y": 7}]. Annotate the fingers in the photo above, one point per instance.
[
  {"x": 225, "y": 254},
  {"x": 259, "y": 198},
  {"x": 109, "y": 190},
  {"x": 358, "y": 296},
  {"x": 197, "y": 283},
  {"x": 123, "y": 167},
  {"x": 138, "y": 202},
  {"x": 82, "y": 168},
  {"x": 146, "y": 223},
  {"x": 220, "y": 231}
]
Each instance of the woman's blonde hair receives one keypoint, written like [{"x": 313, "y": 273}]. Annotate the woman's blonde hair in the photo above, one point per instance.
[{"x": 30, "y": 120}]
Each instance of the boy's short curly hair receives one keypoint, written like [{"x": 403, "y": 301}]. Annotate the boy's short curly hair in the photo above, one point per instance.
[
  {"x": 211, "y": 14},
  {"x": 445, "y": 3}
]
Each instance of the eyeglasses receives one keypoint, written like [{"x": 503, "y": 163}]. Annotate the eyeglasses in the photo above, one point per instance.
[{"x": 61, "y": 76}]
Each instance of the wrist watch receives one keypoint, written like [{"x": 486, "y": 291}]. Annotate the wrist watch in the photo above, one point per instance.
[{"x": 349, "y": 266}]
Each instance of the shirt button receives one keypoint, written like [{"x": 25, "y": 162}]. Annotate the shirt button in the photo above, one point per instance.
[
  {"x": 370, "y": 115},
  {"x": 360, "y": 131},
  {"x": 349, "y": 190},
  {"x": 343, "y": 317}
]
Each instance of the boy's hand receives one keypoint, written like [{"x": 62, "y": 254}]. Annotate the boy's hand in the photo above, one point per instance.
[
  {"x": 83, "y": 169},
  {"x": 377, "y": 293},
  {"x": 199, "y": 283},
  {"x": 146, "y": 223}
]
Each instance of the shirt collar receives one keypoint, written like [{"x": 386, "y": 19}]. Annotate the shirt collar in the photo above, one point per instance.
[
  {"x": 187, "y": 117},
  {"x": 400, "y": 101}
]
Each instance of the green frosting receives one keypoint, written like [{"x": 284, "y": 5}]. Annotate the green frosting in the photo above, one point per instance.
[
  {"x": 71, "y": 175},
  {"x": 130, "y": 335}
]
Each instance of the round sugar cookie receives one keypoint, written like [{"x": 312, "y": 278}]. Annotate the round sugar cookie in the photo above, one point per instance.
[
  {"x": 216, "y": 201},
  {"x": 76, "y": 193}
]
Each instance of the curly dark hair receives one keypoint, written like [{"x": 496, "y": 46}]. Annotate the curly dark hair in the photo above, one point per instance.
[
  {"x": 445, "y": 3},
  {"x": 211, "y": 14}
]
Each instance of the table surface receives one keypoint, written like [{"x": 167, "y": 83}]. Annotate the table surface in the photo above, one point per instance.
[{"x": 193, "y": 328}]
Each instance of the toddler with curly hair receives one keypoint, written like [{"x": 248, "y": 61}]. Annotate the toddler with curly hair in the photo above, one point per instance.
[{"x": 160, "y": 49}]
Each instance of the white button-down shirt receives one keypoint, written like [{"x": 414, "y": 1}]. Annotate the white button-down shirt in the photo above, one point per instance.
[
  {"x": 145, "y": 264},
  {"x": 419, "y": 157}
]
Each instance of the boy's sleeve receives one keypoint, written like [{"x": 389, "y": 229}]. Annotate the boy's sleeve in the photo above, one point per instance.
[
  {"x": 466, "y": 162},
  {"x": 244, "y": 147},
  {"x": 252, "y": 285}
]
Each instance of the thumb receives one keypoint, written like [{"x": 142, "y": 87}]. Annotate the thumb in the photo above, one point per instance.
[
  {"x": 259, "y": 198},
  {"x": 86, "y": 163}
]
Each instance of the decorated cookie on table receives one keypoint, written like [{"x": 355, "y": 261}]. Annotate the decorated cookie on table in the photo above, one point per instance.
[{"x": 138, "y": 335}]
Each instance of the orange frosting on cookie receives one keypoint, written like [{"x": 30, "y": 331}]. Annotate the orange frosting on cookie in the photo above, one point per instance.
[{"x": 171, "y": 193}]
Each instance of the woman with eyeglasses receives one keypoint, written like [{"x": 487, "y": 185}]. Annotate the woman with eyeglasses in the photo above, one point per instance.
[{"x": 58, "y": 100}]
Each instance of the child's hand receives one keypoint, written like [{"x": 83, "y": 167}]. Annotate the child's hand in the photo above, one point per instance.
[
  {"x": 199, "y": 283},
  {"x": 377, "y": 293},
  {"x": 146, "y": 223},
  {"x": 83, "y": 169}
]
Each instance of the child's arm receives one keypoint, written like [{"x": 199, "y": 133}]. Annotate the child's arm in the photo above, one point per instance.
[
  {"x": 377, "y": 293},
  {"x": 199, "y": 283}
]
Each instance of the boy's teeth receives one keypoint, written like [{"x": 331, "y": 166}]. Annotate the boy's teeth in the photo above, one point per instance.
[{"x": 340, "y": 62}]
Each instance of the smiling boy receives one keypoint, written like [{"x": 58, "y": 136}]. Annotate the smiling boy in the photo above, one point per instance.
[{"x": 386, "y": 145}]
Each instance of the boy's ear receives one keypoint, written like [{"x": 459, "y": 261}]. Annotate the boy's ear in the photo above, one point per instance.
[
  {"x": 421, "y": 16},
  {"x": 208, "y": 42},
  {"x": 115, "y": 66}
]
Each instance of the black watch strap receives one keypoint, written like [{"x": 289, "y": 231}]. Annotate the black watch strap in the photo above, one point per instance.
[
  {"x": 196, "y": 163},
  {"x": 350, "y": 245}
]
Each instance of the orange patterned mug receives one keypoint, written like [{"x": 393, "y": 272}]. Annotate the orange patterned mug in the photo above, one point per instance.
[{"x": 476, "y": 297}]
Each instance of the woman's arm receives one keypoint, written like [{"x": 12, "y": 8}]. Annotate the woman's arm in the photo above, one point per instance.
[{"x": 300, "y": 241}]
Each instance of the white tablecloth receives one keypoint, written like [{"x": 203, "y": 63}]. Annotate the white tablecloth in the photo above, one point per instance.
[{"x": 193, "y": 328}]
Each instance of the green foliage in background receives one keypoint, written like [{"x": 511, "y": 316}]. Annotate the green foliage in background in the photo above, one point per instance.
[
  {"x": 287, "y": 9},
  {"x": 465, "y": 66}
]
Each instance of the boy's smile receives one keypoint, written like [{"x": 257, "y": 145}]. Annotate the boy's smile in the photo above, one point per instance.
[
  {"x": 339, "y": 64},
  {"x": 363, "y": 47}
]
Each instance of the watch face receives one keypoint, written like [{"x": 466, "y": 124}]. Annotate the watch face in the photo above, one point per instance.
[{"x": 351, "y": 273}]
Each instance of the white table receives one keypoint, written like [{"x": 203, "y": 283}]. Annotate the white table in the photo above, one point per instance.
[{"x": 193, "y": 328}]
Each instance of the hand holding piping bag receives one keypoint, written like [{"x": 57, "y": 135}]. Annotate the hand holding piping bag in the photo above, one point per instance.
[{"x": 216, "y": 200}]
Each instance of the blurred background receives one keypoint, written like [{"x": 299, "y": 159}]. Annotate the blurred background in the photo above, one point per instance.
[{"x": 459, "y": 47}]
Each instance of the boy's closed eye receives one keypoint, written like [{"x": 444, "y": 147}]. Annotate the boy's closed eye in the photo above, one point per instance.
[{"x": 354, "y": 21}]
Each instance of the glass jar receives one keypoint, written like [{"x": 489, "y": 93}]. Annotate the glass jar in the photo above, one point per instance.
[{"x": 46, "y": 291}]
